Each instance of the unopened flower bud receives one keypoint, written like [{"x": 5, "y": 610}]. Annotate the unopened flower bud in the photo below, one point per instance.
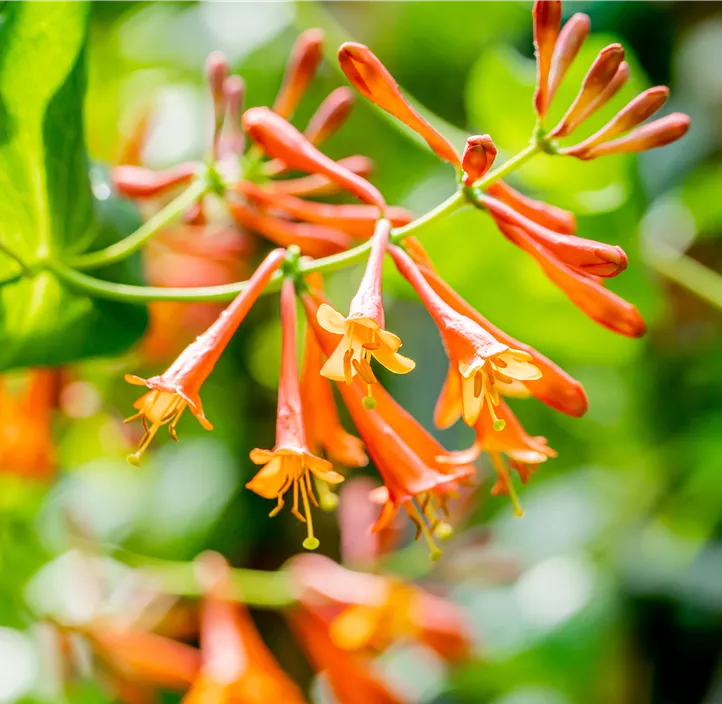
[
  {"x": 547, "y": 19},
  {"x": 216, "y": 72},
  {"x": 234, "y": 89},
  {"x": 305, "y": 57},
  {"x": 569, "y": 43},
  {"x": 139, "y": 182},
  {"x": 331, "y": 114},
  {"x": 478, "y": 157}
]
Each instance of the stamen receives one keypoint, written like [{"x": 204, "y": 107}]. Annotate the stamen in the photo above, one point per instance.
[
  {"x": 279, "y": 506},
  {"x": 363, "y": 368},
  {"x": 309, "y": 487},
  {"x": 503, "y": 474},
  {"x": 371, "y": 346},
  {"x": 311, "y": 542},
  {"x": 426, "y": 530},
  {"x": 134, "y": 458},
  {"x": 347, "y": 368},
  {"x": 478, "y": 383},
  {"x": 295, "y": 510}
]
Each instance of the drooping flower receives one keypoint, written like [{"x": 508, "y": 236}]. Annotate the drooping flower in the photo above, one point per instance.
[
  {"x": 480, "y": 360},
  {"x": 524, "y": 453},
  {"x": 348, "y": 674},
  {"x": 236, "y": 666},
  {"x": 367, "y": 613},
  {"x": 363, "y": 330},
  {"x": 555, "y": 387},
  {"x": 179, "y": 386},
  {"x": 291, "y": 464}
]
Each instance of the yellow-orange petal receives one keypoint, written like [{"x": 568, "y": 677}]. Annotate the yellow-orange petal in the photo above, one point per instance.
[{"x": 331, "y": 320}]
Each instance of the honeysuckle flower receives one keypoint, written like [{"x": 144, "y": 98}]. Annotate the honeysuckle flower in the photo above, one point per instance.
[
  {"x": 349, "y": 674},
  {"x": 281, "y": 140},
  {"x": 291, "y": 464},
  {"x": 363, "y": 330},
  {"x": 233, "y": 141},
  {"x": 405, "y": 455},
  {"x": 586, "y": 256},
  {"x": 373, "y": 80},
  {"x": 547, "y": 16},
  {"x": 139, "y": 182},
  {"x": 368, "y": 613},
  {"x": 478, "y": 358},
  {"x": 569, "y": 42},
  {"x": 357, "y": 220},
  {"x": 27, "y": 448},
  {"x": 478, "y": 157},
  {"x": 179, "y": 386},
  {"x": 330, "y": 115},
  {"x": 555, "y": 387},
  {"x": 305, "y": 57},
  {"x": 523, "y": 452},
  {"x": 586, "y": 292},
  {"x": 324, "y": 430},
  {"x": 549, "y": 216},
  {"x": 236, "y": 664},
  {"x": 216, "y": 74}
]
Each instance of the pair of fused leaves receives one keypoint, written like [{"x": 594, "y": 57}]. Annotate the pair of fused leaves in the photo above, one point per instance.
[{"x": 47, "y": 208}]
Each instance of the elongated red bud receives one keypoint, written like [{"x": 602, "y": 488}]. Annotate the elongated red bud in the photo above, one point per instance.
[
  {"x": 319, "y": 185},
  {"x": 216, "y": 73},
  {"x": 235, "y": 91},
  {"x": 547, "y": 19},
  {"x": 569, "y": 43},
  {"x": 139, "y": 182},
  {"x": 478, "y": 157},
  {"x": 545, "y": 214},
  {"x": 331, "y": 114},
  {"x": 585, "y": 292},
  {"x": 588, "y": 256},
  {"x": 313, "y": 240},
  {"x": 373, "y": 80},
  {"x": 656, "y": 134},
  {"x": 305, "y": 57},
  {"x": 598, "y": 78},
  {"x": 281, "y": 140}
]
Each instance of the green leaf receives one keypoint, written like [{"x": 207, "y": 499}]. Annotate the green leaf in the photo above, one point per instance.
[
  {"x": 47, "y": 208},
  {"x": 499, "y": 101}
]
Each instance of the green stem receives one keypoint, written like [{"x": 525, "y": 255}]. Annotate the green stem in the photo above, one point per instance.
[
  {"x": 135, "y": 242},
  {"x": 508, "y": 166}
]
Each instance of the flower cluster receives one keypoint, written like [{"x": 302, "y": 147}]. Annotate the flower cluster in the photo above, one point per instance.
[{"x": 486, "y": 365}]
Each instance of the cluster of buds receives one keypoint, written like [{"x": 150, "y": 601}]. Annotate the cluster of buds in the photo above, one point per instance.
[
  {"x": 485, "y": 364},
  {"x": 341, "y": 618}
]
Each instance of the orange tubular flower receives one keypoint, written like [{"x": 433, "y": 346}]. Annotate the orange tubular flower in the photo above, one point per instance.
[
  {"x": 480, "y": 360},
  {"x": 349, "y": 674},
  {"x": 586, "y": 292},
  {"x": 555, "y": 387},
  {"x": 290, "y": 463},
  {"x": 366, "y": 613},
  {"x": 373, "y": 80},
  {"x": 305, "y": 57},
  {"x": 547, "y": 19},
  {"x": 281, "y": 140},
  {"x": 236, "y": 664},
  {"x": 363, "y": 330},
  {"x": 356, "y": 220},
  {"x": 180, "y": 384},
  {"x": 567, "y": 47},
  {"x": 524, "y": 453},
  {"x": 330, "y": 115},
  {"x": 587, "y": 256},
  {"x": 26, "y": 441},
  {"x": 478, "y": 157},
  {"x": 319, "y": 185},
  {"x": 139, "y": 182}
]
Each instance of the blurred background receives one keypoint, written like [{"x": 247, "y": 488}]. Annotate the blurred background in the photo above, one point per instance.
[{"x": 609, "y": 589}]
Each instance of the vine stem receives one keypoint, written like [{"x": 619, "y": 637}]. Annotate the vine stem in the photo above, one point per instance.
[{"x": 135, "y": 242}]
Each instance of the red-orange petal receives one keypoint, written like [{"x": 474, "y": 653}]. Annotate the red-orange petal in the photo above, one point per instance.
[
  {"x": 305, "y": 57},
  {"x": 547, "y": 20}
]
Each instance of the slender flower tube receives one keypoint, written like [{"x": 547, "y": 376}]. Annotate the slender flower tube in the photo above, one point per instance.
[
  {"x": 568, "y": 44},
  {"x": 613, "y": 87},
  {"x": 180, "y": 384},
  {"x": 631, "y": 115},
  {"x": 290, "y": 463},
  {"x": 281, "y": 140},
  {"x": 354, "y": 219},
  {"x": 367, "y": 613},
  {"x": 236, "y": 664},
  {"x": 363, "y": 333},
  {"x": 598, "y": 78},
  {"x": 547, "y": 20},
  {"x": 305, "y": 57},
  {"x": 542, "y": 213},
  {"x": 585, "y": 292},
  {"x": 139, "y": 182},
  {"x": 349, "y": 674},
  {"x": 658, "y": 133},
  {"x": 330, "y": 115},
  {"x": 216, "y": 73},
  {"x": 313, "y": 240},
  {"x": 318, "y": 185},
  {"x": 480, "y": 360},
  {"x": 373, "y": 80},
  {"x": 587, "y": 256},
  {"x": 555, "y": 388},
  {"x": 523, "y": 452},
  {"x": 233, "y": 140},
  {"x": 478, "y": 157}
]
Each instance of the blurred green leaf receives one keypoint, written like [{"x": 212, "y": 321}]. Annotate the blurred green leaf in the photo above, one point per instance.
[
  {"x": 46, "y": 203},
  {"x": 701, "y": 194}
]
